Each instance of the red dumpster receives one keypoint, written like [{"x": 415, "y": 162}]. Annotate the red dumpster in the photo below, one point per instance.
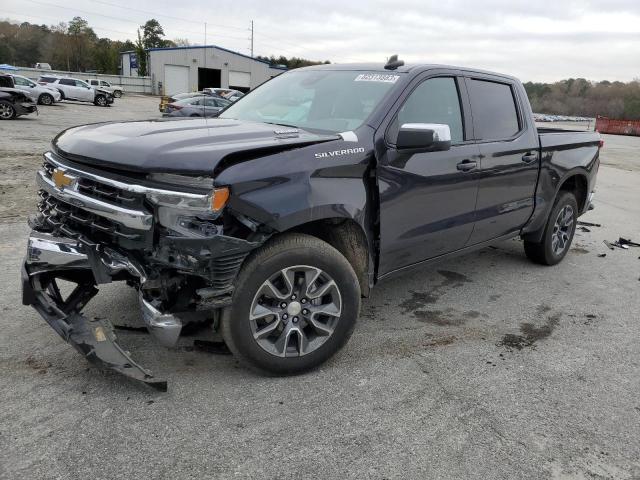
[{"x": 617, "y": 127}]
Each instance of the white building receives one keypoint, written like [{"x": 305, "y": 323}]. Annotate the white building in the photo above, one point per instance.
[{"x": 184, "y": 69}]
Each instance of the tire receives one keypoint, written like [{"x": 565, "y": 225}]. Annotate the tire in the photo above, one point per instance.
[
  {"x": 558, "y": 232},
  {"x": 100, "y": 101},
  {"x": 7, "y": 111},
  {"x": 45, "y": 99},
  {"x": 117, "y": 93},
  {"x": 326, "y": 324},
  {"x": 194, "y": 115}
]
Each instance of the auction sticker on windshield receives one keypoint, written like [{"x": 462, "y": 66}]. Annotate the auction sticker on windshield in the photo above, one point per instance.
[{"x": 376, "y": 77}]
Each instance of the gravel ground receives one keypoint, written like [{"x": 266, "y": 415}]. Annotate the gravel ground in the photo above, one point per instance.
[{"x": 486, "y": 366}]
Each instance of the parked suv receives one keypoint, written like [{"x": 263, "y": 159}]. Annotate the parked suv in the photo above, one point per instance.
[
  {"x": 75, "y": 89},
  {"x": 44, "y": 95},
  {"x": 115, "y": 90}
]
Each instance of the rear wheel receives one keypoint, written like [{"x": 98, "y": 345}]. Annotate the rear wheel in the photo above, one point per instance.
[
  {"x": 45, "y": 99},
  {"x": 558, "y": 233},
  {"x": 295, "y": 305},
  {"x": 117, "y": 93},
  {"x": 101, "y": 101},
  {"x": 7, "y": 111}
]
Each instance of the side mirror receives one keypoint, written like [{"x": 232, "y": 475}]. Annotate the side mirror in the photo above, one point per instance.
[{"x": 432, "y": 137}]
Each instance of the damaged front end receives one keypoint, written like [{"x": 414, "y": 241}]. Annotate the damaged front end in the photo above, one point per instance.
[{"x": 94, "y": 229}]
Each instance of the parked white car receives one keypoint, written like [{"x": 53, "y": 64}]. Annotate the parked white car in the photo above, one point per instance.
[
  {"x": 76, "y": 89},
  {"x": 44, "y": 95},
  {"x": 115, "y": 90}
]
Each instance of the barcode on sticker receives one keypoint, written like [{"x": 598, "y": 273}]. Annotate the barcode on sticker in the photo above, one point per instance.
[{"x": 376, "y": 77}]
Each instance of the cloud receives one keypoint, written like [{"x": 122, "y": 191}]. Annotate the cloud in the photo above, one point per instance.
[{"x": 542, "y": 40}]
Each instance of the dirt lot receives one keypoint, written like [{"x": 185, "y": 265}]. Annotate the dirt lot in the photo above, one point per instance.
[
  {"x": 23, "y": 141},
  {"x": 486, "y": 366}
]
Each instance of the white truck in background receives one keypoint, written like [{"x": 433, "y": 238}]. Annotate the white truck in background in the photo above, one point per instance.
[{"x": 116, "y": 90}]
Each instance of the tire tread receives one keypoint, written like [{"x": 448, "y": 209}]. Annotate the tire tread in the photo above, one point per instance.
[{"x": 276, "y": 246}]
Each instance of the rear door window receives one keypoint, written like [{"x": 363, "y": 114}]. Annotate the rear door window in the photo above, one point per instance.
[
  {"x": 67, "y": 81},
  {"x": 493, "y": 105}
]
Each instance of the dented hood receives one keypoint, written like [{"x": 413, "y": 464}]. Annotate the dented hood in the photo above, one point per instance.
[{"x": 190, "y": 146}]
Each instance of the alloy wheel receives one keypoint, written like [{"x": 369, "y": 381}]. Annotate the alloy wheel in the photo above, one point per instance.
[
  {"x": 295, "y": 311},
  {"x": 562, "y": 230},
  {"x": 6, "y": 111}
]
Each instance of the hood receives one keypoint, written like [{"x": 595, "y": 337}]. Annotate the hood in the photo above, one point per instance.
[{"x": 189, "y": 146}]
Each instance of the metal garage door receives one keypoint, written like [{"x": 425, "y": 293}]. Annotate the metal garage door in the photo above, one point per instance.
[
  {"x": 176, "y": 79},
  {"x": 239, "y": 79}
]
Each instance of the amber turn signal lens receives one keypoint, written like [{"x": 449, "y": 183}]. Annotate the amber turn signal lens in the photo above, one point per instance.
[{"x": 219, "y": 199}]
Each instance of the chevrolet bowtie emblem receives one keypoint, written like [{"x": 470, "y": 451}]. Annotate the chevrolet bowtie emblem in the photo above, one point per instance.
[{"x": 61, "y": 179}]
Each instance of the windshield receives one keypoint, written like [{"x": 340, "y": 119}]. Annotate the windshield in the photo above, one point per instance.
[{"x": 329, "y": 100}]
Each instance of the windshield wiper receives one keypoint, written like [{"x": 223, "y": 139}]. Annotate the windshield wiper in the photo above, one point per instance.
[{"x": 283, "y": 125}]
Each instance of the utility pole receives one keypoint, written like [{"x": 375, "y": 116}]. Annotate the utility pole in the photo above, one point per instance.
[{"x": 251, "y": 38}]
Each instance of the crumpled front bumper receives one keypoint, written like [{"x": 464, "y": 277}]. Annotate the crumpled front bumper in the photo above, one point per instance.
[{"x": 49, "y": 257}]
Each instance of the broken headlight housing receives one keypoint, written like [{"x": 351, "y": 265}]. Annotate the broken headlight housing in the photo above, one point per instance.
[{"x": 187, "y": 212}]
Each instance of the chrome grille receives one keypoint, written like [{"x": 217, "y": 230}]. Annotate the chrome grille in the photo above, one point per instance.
[
  {"x": 108, "y": 193},
  {"x": 73, "y": 222},
  {"x": 96, "y": 209}
]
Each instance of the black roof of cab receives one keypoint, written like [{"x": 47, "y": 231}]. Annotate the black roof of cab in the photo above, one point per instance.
[{"x": 414, "y": 68}]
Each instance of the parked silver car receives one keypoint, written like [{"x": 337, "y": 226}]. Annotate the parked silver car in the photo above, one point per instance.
[
  {"x": 41, "y": 94},
  {"x": 228, "y": 93},
  {"x": 202, "y": 106}
]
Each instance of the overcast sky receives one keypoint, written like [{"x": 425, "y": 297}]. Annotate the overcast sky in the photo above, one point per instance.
[{"x": 539, "y": 40}]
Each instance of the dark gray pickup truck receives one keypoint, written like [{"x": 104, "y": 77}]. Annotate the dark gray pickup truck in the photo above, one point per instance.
[{"x": 271, "y": 222}]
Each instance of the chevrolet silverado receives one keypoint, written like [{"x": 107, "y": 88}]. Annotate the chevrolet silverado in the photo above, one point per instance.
[{"x": 270, "y": 222}]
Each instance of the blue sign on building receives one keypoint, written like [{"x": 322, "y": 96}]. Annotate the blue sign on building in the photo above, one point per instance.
[{"x": 133, "y": 60}]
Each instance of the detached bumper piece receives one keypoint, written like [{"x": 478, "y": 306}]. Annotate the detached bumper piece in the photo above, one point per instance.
[{"x": 50, "y": 258}]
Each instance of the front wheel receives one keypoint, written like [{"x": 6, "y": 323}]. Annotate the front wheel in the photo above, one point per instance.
[
  {"x": 45, "y": 99},
  {"x": 558, "y": 233},
  {"x": 101, "y": 101},
  {"x": 7, "y": 111},
  {"x": 295, "y": 305}
]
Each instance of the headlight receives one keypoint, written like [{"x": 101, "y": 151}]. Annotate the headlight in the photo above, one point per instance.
[
  {"x": 185, "y": 212},
  {"x": 213, "y": 200}
]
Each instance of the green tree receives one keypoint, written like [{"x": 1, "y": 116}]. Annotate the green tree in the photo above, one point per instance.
[
  {"x": 290, "y": 63},
  {"x": 152, "y": 35},
  {"x": 83, "y": 39},
  {"x": 141, "y": 54}
]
